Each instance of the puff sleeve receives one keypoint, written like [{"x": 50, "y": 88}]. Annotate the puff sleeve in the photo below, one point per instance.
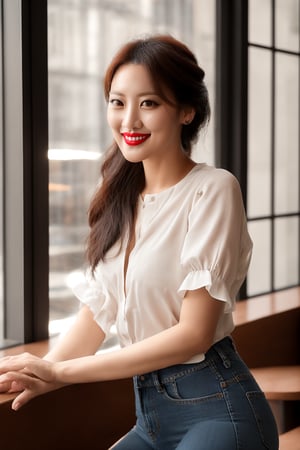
[
  {"x": 217, "y": 247},
  {"x": 91, "y": 292}
]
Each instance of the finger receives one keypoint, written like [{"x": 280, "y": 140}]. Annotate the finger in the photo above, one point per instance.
[
  {"x": 22, "y": 399},
  {"x": 20, "y": 379},
  {"x": 29, "y": 364},
  {"x": 5, "y": 386},
  {"x": 15, "y": 387},
  {"x": 12, "y": 363}
]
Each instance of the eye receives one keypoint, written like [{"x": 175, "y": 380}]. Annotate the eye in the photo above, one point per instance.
[
  {"x": 115, "y": 102},
  {"x": 149, "y": 103}
]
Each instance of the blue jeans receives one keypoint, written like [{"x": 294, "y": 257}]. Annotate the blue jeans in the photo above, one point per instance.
[{"x": 212, "y": 405}]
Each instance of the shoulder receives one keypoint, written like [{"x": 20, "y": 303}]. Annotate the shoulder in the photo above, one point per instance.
[{"x": 214, "y": 180}]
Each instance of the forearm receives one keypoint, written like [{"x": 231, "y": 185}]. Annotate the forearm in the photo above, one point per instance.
[
  {"x": 173, "y": 346},
  {"x": 193, "y": 334},
  {"x": 82, "y": 339}
]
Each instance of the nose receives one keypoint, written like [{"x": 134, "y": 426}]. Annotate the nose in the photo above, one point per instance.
[{"x": 131, "y": 119}]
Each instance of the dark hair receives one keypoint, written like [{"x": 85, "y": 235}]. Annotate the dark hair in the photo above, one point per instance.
[{"x": 174, "y": 67}]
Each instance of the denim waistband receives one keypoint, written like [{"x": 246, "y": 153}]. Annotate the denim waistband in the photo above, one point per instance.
[{"x": 221, "y": 350}]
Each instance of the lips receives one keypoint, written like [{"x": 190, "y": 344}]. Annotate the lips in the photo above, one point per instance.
[{"x": 135, "y": 138}]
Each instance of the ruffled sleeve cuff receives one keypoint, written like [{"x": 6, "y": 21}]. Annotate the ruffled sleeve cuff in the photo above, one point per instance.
[
  {"x": 99, "y": 303},
  {"x": 215, "y": 286}
]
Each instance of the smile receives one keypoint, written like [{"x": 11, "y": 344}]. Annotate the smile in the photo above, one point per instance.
[{"x": 135, "y": 138}]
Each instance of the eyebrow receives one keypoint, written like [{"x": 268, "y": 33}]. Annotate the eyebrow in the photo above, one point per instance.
[{"x": 141, "y": 94}]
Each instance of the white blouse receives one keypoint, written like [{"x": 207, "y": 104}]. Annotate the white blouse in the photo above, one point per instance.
[{"x": 191, "y": 235}]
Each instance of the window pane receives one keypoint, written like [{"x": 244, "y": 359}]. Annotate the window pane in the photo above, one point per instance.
[
  {"x": 259, "y": 133},
  {"x": 287, "y": 24},
  {"x": 286, "y": 252},
  {"x": 260, "y": 22},
  {"x": 259, "y": 275},
  {"x": 82, "y": 38},
  {"x": 1, "y": 194},
  {"x": 287, "y": 134}
]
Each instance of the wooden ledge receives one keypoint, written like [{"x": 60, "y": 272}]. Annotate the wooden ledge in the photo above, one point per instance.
[
  {"x": 36, "y": 348},
  {"x": 5, "y": 398},
  {"x": 266, "y": 305},
  {"x": 279, "y": 383}
]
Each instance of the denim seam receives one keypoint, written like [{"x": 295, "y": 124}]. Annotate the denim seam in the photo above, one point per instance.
[
  {"x": 194, "y": 401},
  {"x": 230, "y": 412},
  {"x": 257, "y": 394},
  {"x": 182, "y": 373}
]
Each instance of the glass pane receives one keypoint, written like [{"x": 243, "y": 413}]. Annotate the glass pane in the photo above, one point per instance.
[
  {"x": 260, "y": 28},
  {"x": 287, "y": 134},
  {"x": 82, "y": 38},
  {"x": 1, "y": 193},
  {"x": 286, "y": 252},
  {"x": 259, "y": 133},
  {"x": 287, "y": 24},
  {"x": 259, "y": 275}
]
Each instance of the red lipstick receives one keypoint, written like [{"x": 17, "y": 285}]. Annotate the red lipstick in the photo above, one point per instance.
[{"x": 135, "y": 138}]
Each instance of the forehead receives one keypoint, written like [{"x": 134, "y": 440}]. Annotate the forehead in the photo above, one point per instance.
[{"x": 132, "y": 77}]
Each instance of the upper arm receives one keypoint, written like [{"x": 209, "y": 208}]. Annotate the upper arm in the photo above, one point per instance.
[
  {"x": 199, "y": 315},
  {"x": 217, "y": 247}
]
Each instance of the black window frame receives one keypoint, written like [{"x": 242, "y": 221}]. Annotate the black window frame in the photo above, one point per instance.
[{"x": 231, "y": 92}]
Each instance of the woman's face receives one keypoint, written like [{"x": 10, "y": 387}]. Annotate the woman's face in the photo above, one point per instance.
[{"x": 143, "y": 124}]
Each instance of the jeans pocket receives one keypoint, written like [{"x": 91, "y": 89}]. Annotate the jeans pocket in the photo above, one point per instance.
[
  {"x": 193, "y": 388},
  {"x": 264, "y": 419}
]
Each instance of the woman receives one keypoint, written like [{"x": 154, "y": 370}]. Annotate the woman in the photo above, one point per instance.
[{"x": 168, "y": 250}]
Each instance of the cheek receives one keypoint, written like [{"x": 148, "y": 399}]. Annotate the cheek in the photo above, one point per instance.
[{"x": 112, "y": 119}]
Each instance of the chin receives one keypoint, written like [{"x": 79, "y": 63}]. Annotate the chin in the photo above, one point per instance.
[{"x": 132, "y": 158}]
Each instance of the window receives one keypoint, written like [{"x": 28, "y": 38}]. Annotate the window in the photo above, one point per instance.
[
  {"x": 82, "y": 37},
  {"x": 1, "y": 195},
  {"x": 273, "y": 144},
  {"x": 11, "y": 239},
  {"x": 258, "y": 130},
  {"x": 255, "y": 82},
  {"x": 23, "y": 173}
]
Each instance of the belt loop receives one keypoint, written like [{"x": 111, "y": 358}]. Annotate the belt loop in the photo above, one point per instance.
[
  {"x": 156, "y": 382},
  {"x": 225, "y": 360}
]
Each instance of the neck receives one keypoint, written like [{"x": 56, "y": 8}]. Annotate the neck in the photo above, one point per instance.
[{"x": 166, "y": 174}]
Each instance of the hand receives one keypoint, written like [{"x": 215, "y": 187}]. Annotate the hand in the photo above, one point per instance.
[
  {"x": 10, "y": 387},
  {"x": 27, "y": 373}
]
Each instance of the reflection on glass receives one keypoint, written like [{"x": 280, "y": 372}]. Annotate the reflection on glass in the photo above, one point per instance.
[
  {"x": 259, "y": 275},
  {"x": 82, "y": 37},
  {"x": 1, "y": 256},
  {"x": 259, "y": 133},
  {"x": 287, "y": 134},
  {"x": 286, "y": 252},
  {"x": 260, "y": 22},
  {"x": 1, "y": 200},
  {"x": 287, "y": 25}
]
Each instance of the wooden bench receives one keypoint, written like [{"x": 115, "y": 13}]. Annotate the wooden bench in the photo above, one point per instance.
[
  {"x": 267, "y": 329},
  {"x": 290, "y": 440},
  {"x": 267, "y": 335},
  {"x": 279, "y": 382}
]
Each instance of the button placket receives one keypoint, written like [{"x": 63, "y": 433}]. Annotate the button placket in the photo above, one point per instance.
[{"x": 147, "y": 211}]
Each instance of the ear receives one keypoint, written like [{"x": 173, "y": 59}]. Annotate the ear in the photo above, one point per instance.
[{"x": 187, "y": 115}]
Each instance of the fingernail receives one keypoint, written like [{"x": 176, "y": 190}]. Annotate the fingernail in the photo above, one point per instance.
[{"x": 16, "y": 406}]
